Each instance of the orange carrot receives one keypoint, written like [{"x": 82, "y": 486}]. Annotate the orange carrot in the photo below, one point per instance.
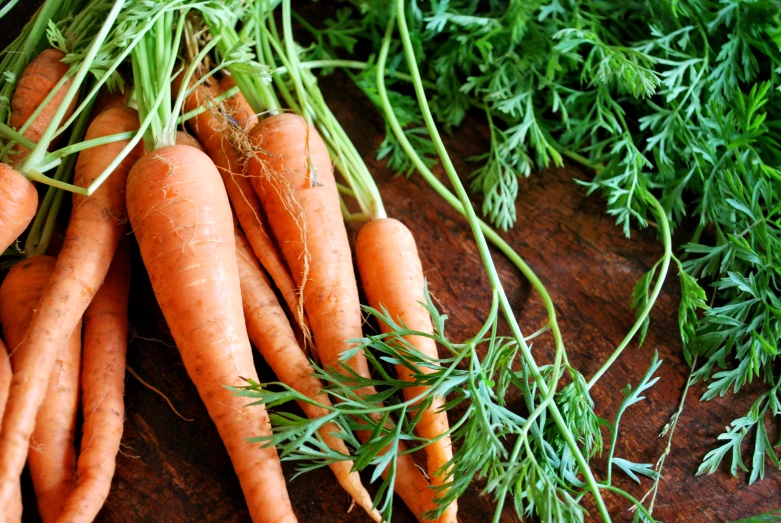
[
  {"x": 183, "y": 223},
  {"x": 13, "y": 513},
  {"x": 392, "y": 277},
  {"x": 37, "y": 80},
  {"x": 18, "y": 203},
  {"x": 5, "y": 376},
  {"x": 52, "y": 456},
  {"x": 306, "y": 218},
  {"x": 106, "y": 99},
  {"x": 212, "y": 129},
  {"x": 183, "y": 138},
  {"x": 95, "y": 228},
  {"x": 103, "y": 382},
  {"x": 238, "y": 106},
  {"x": 270, "y": 332}
]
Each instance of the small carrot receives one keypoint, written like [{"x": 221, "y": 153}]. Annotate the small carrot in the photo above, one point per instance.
[
  {"x": 392, "y": 277},
  {"x": 106, "y": 99},
  {"x": 182, "y": 220},
  {"x": 212, "y": 129},
  {"x": 183, "y": 138},
  {"x": 39, "y": 78},
  {"x": 52, "y": 456},
  {"x": 238, "y": 106},
  {"x": 293, "y": 177},
  {"x": 18, "y": 203},
  {"x": 103, "y": 384},
  {"x": 270, "y": 332},
  {"x": 95, "y": 228}
]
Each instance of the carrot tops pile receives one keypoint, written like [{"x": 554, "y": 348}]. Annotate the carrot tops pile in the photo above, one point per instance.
[{"x": 252, "y": 206}]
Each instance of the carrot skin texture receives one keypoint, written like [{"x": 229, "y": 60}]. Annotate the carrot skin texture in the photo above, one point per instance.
[
  {"x": 280, "y": 173},
  {"x": 183, "y": 138},
  {"x": 35, "y": 83},
  {"x": 94, "y": 230},
  {"x": 270, "y": 332},
  {"x": 18, "y": 204},
  {"x": 5, "y": 376},
  {"x": 13, "y": 512},
  {"x": 103, "y": 384},
  {"x": 52, "y": 458},
  {"x": 392, "y": 277},
  {"x": 182, "y": 220},
  {"x": 238, "y": 106},
  {"x": 207, "y": 127}
]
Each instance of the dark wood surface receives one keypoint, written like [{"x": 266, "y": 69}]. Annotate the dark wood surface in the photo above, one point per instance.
[{"x": 172, "y": 470}]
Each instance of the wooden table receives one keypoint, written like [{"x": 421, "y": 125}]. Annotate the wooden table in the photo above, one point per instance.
[{"x": 173, "y": 470}]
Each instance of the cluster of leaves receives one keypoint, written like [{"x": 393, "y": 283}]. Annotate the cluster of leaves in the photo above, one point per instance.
[
  {"x": 678, "y": 100},
  {"x": 497, "y": 442}
]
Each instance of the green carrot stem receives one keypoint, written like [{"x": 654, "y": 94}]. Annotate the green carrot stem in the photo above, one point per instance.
[
  {"x": 488, "y": 262},
  {"x": 8, "y": 132},
  {"x": 7, "y": 7},
  {"x": 664, "y": 228}
]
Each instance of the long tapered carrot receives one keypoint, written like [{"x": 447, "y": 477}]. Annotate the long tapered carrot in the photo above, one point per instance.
[
  {"x": 392, "y": 277},
  {"x": 13, "y": 512},
  {"x": 238, "y": 106},
  {"x": 95, "y": 228},
  {"x": 37, "y": 80},
  {"x": 18, "y": 203},
  {"x": 212, "y": 129},
  {"x": 182, "y": 220},
  {"x": 270, "y": 332},
  {"x": 293, "y": 177},
  {"x": 103, "y": 384},
  {"x": 52, "y": 456}
]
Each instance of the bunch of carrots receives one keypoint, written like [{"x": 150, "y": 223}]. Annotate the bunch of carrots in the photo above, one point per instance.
[{"x": 231, "y": 207}]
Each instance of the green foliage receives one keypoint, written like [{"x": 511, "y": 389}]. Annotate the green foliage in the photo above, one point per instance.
[
  {"x": 678, "y": 100},
  {"x": 488, "y": 400}
]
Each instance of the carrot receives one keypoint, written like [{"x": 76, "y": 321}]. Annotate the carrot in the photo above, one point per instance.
[
  {"x": 13, "y": 512},
  {"x": 39, "y": 78},
  {"x": 392, "y": 277},
  {"x": 183, "y": 223},
  {"x": 306, "y": 218},
  {"x": 103, "y": 383},
  {"x": 270, "y": 332},
  {"x": 211, "y": 127},
  {"x": 52, "y": 459},
  {"x": 18, "y": 203},
  {"x": 5, "y": 376},
  {"x": 238, "y": 106},
  {"x": 183, "y": 138},
  {"x": 106, "y": 99},
  {"x": 95, "y": 228}
]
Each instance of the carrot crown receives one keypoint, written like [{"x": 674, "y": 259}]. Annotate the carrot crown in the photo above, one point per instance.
[{"x": 298, "y": 88}]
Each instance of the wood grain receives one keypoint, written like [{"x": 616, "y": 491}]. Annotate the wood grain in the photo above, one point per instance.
[{"x": 174, "y": 470}]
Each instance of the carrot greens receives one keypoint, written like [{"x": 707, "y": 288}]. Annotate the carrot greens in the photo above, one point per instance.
[
  {"x": 675, "y": 107},
  {"x": 537, "y": 450}
]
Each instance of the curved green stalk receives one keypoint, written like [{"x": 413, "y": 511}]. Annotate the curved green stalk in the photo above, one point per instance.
[
  {"x": 75, "y": 147},
  {"x": 454, "y": 202},
  {"x": 7, "y": 7},
  {"x": 485, "y": 254},
  {"x": 664, "y": 229},
  {"x": 8, "y": 132}
]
